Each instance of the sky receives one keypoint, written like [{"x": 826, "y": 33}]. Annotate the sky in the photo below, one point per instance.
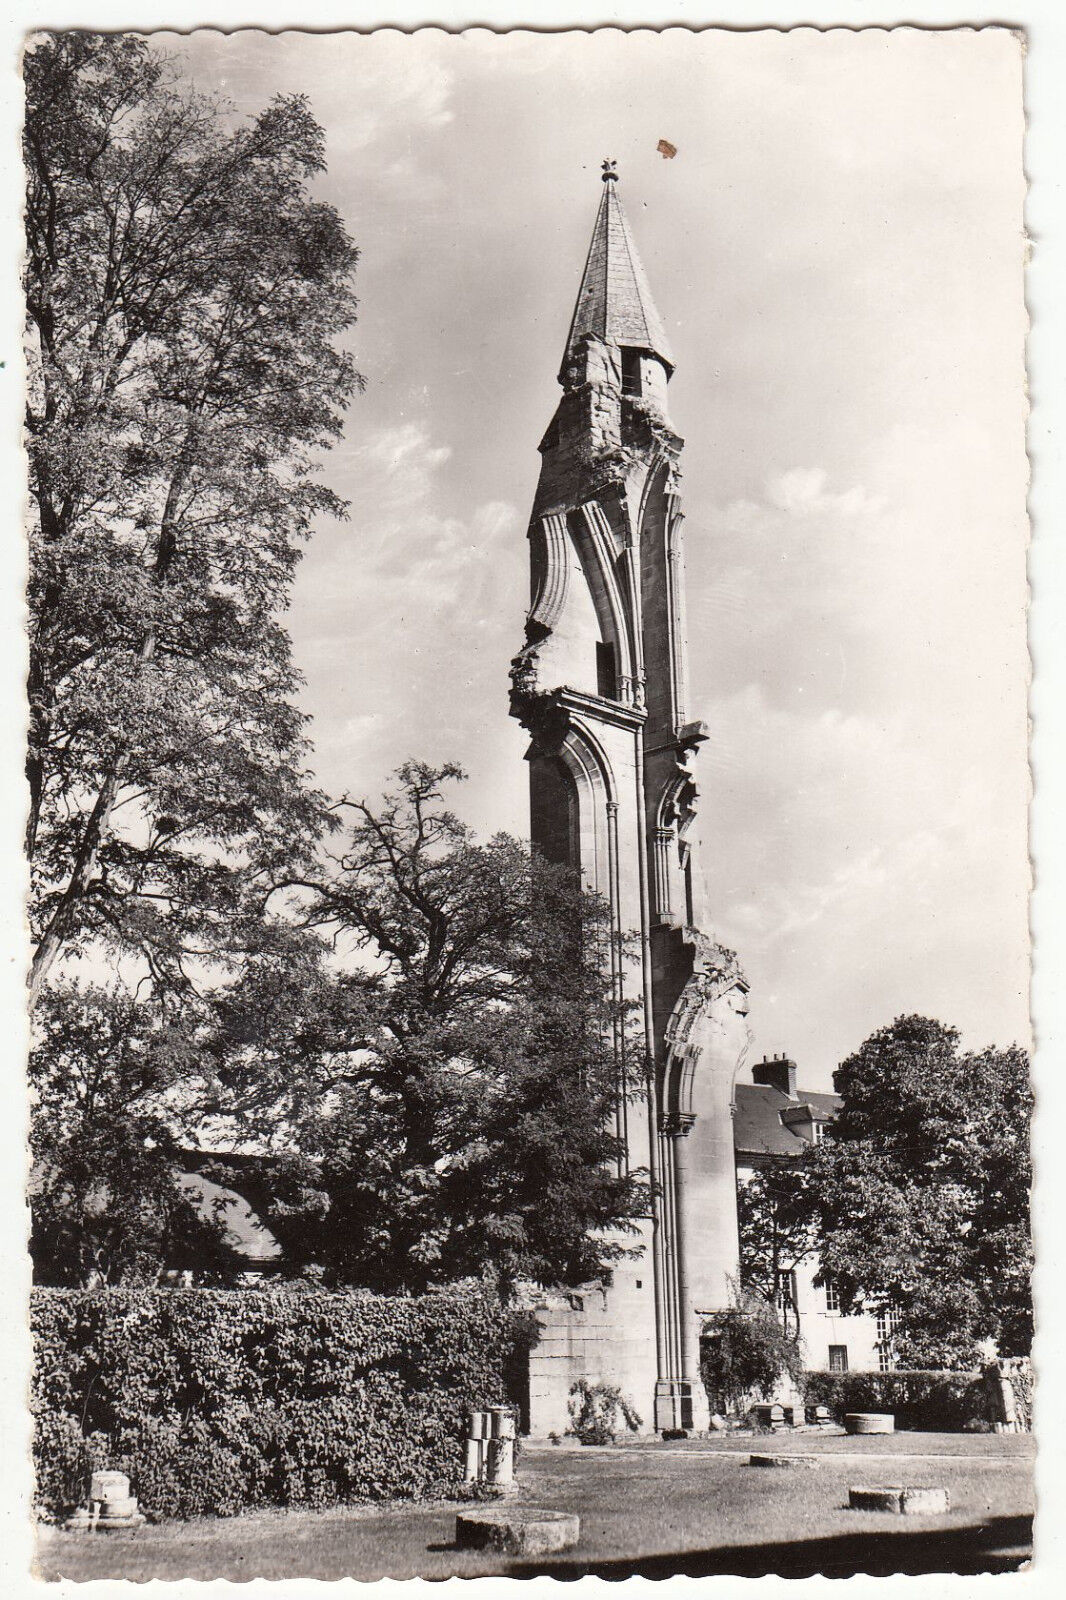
[{"x": 837, "y": 253}]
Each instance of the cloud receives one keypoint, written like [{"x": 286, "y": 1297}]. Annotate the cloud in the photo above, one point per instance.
[
  {"x": 401, "y": 554},
  {"x": 405, "y": 449},
  {"x": 783, "y": 589},
  {"x": 802, "y": 491},
  {"x": 400, "y": 88},
  {"x": 405, "y": 619},
  {"x": 858, "y": 858}
]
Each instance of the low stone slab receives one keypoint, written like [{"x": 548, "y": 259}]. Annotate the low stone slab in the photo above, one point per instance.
[
  {"x": 924, "y": 1502},
  {"x": 912, "y": 1502},
  {"x": 797, "y": 1461},
  {"x": 517, "y": 1530},
  {"x": 83, "y": 1521},
  {"x": 869, "y": 1422}
]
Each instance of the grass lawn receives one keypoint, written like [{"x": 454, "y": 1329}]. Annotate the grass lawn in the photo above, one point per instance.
[{"x": 652, "y": 1509}]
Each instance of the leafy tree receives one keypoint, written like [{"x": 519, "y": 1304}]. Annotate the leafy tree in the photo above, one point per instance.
[
  {"x": 745, "y": 1352},
  {"x": 106, "y": 1201},
  {"x": 921, "y": 1189},
  {"x": 443, "y": 1104},
  {"x": 778, "y": 1231},
  {"x": 185, "y": 293}
]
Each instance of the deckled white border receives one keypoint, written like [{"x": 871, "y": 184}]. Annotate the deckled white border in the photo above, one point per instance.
[{"x": 1044, "y": 22}]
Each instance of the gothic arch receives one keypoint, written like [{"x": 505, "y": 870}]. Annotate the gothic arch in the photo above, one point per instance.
[
  {"x": 714, "y": 995},
  {"x": 550, "y": 571},
  {"x": 594, "y": 542},
  {"x": 589, "y": 769}
]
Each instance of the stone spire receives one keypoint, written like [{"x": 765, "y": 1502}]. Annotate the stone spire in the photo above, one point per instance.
[
  {"x": 614, "y": 301},
  {"x": 600, "y": 686}
]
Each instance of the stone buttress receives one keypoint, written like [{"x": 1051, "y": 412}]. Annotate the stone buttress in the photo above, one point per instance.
[{"x": 600, "y": 685}]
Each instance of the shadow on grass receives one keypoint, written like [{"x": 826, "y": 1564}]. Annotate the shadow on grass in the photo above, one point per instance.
[{"x": 1002, "y": 1544}]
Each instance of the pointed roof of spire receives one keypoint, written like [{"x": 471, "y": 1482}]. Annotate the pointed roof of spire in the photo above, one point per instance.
[{"x": 614, "y": 301}]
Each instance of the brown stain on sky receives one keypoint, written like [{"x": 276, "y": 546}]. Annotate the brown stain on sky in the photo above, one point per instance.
[{"x": 666, "y": 149}]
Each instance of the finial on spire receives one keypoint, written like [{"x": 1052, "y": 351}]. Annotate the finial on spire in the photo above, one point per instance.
[{"x": 610, "y": 175}]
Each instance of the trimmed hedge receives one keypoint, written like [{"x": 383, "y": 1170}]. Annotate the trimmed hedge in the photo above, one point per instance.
[
  {"x": 931, "y": 1402},
  {"x": 218, "y": 1401}
]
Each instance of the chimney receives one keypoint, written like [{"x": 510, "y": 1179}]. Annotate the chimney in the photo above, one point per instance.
[{"x": 776, "y": 1072}]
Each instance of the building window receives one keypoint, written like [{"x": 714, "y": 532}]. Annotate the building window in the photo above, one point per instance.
[
  {"x": 786, "y": 1291},
  {"x": 606, "y": 672},
  {"x": 838, "y": 1358},
  {"x": 887, "y": 1323},
  {"x": 832, "y": 1295},
  {"x": 631, "y": 372}
]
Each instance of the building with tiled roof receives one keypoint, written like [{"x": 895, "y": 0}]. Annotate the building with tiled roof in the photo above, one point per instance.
[{"x": 775, "y": 1121}]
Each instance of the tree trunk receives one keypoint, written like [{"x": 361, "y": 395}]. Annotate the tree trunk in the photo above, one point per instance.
[
  {"x": 96, "y": 828},
  {"x": 81, "y": 876}
]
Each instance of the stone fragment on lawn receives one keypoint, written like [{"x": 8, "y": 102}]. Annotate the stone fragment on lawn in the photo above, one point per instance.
[
  {"x": 908, "y": 1502},
  {"x": 924, "y": 1502},
  {"x": 869, "y": 1422},
  {"x": 517, "y": 1531},
  {"x": 770, "y": 1416},
  {"x": 875, "y": 1499},
  {"x": 783, "y": 1461}
]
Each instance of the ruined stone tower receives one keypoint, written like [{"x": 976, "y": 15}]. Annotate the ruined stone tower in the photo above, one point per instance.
[{"x": 600, "y": 685}]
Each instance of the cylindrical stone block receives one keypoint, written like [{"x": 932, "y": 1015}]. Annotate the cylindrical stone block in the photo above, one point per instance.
[
  {"x": 875, "y": 1499},
  {"x": 503, "y": 1426},
  {"x": 925, "y": 1502},
  {"x": 108, "y": 1486},
  {"x": 470, "y": 1463},
  {"x": 863, "y": 1422},
  {"x": 517, "y": 1532},
  {"x": 478, "y": 1429},
  {"x": 120, "y": 1506},
  {"x": 500, "y": 1465}
]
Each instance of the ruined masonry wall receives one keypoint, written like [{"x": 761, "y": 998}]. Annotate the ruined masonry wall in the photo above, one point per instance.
[{"x": 604, "y": 1335}]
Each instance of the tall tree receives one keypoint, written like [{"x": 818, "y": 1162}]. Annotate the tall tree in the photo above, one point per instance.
[
  {"x": 778, "y": 1232},
  {"x": 185, "y": 293},
  {"x": 445, "y": 1102},
  {"x": 921, "y": 1187}
]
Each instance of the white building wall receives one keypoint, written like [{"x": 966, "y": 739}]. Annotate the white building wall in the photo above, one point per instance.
[{"x": 820, "y": 1328}]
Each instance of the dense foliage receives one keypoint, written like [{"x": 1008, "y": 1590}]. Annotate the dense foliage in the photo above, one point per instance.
[
  {"x": 599, "y": 1412},
  {"x": 107, "y": 1199},
  {"x": 185, "y": 293},
  {"x": 930, "y": 1402},
  {"x": 445, "y": 1104},
  {"x": 438, "y": 1101},
  {"x": 745, "y": 1352},
  {"x": 216, "y": 1402},
  {"x": 921, "y": 1189}
]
